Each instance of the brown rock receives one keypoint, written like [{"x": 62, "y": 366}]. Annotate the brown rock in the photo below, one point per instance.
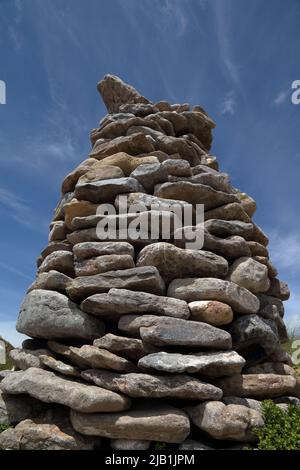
[
  {"x": 133, "y": 144},
  {"x": 211, "y": 311},
  {"x": 260, "y": 386}
]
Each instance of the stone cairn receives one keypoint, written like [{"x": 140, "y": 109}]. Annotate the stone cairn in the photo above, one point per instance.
[{"x": 136, "y": 342}]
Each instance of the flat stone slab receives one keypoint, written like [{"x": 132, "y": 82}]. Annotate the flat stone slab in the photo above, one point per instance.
[
  {"x": 23, "y": 358},
  {"x": 227, "y": 228},
  {"x": 123, "y": 301},
  {"x": 195, "y": 194},
  {"x": 146, "y": 279},
  {"x": 261, "y": 386},
  {"x": 102, "y": 264},
  {"x": 191, "y": 289},
  {"x": 86, "y": 250},
  {"x": 226, "y": 422},
  {"x": 131, "y": 348},
  {"x": 149, "y": 202},
  {"x": 49, "y": 388},
  {"x": 173, "y": 262},
  {"x": 92, "y": 356},
  {"x": 167, "y": 331},
  {"x": 134, "y": 144},
  {"x": 50, "y": 315},
  {"x": 211, "y": 364},
  {"x": 59, "y": 366},
  {"x": 151, "y": 386},
  {"x": 155, "y": 422},
  {"x": 231, "y": 211},
  {"x": 106, "y": 190}
]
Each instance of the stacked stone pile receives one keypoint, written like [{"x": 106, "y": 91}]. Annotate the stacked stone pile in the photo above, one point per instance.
[{"x": 137, "y": 341}]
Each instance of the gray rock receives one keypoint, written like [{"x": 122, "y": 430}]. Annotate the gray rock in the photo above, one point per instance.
[
  {"x": 156, "y": 422},
  {"x": 266, "y": 301},
  {"x": 211, "y": 364},
  {"x": 149, "y": 202},
  {"x": 248, "y": 402},
  {"x": 119, "y": 302},
  {"x": 88, "y": 356},
  {"x": 14, "y": 409},
  {"x": 106, "y": 190},
  {"x": 218, "y": 181},
  {"x": 51, "y": 280},
  {"x": 86, "y": 250},
  {"x": 248, "y": 273},
  {"x": 177, "y": 167},
  {"x": 279, "y": 289},
  {"x": 227, "y": 228},
  {"x": 138, "y": 109},
  {"x": 173, "y": 262},
  {"x": 261, "y": 386},
  {"x": 60, "y": 260},
  {"x": 151, "y": 386},
  {"x": 40, "y": 434},
  {"x": 130, "y": 348},
  {"x": 194, "y": 194},
  {"x": 145, "y": 278},
  {"x": 231, "y": 247},
  {"x": 23, "y": 359},
  {"x": 49, "y": 388},
  {"x": 168, "y": 331},
  {"x": 48, "y": 314},
  {"x": 191, "y": 289},
  {"x": 254, "y": 337},
  {"x": 226, "y": 422},
  {"x": 150, "y": 174},
  {"x": 4, "y": 373},
  {"x": 59, "y": 366},
  {"x": 278, "y": 368}
]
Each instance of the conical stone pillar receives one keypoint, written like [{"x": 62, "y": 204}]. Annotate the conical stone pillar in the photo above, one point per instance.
[{"x": 139, "y": 339}]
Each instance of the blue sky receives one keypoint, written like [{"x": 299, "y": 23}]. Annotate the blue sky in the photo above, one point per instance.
[{"x": 234, "y": 57}]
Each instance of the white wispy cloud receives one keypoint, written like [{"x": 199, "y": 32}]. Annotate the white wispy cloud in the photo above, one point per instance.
[
  {"x": 281, "y": 97},
  {"x": 225, "y": 41},
  {"x": 285, "y": 250},
  {"x": 229, "y": 103},
  {"x": 20, "y": 211},
  {"x": 14, "y": 28},
  {"x": 14, "y": 270}
]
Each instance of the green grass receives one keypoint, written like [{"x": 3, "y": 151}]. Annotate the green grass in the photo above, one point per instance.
[
  {"x": 282, "y": 428},
  {"x": 4, "y": 427}
]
